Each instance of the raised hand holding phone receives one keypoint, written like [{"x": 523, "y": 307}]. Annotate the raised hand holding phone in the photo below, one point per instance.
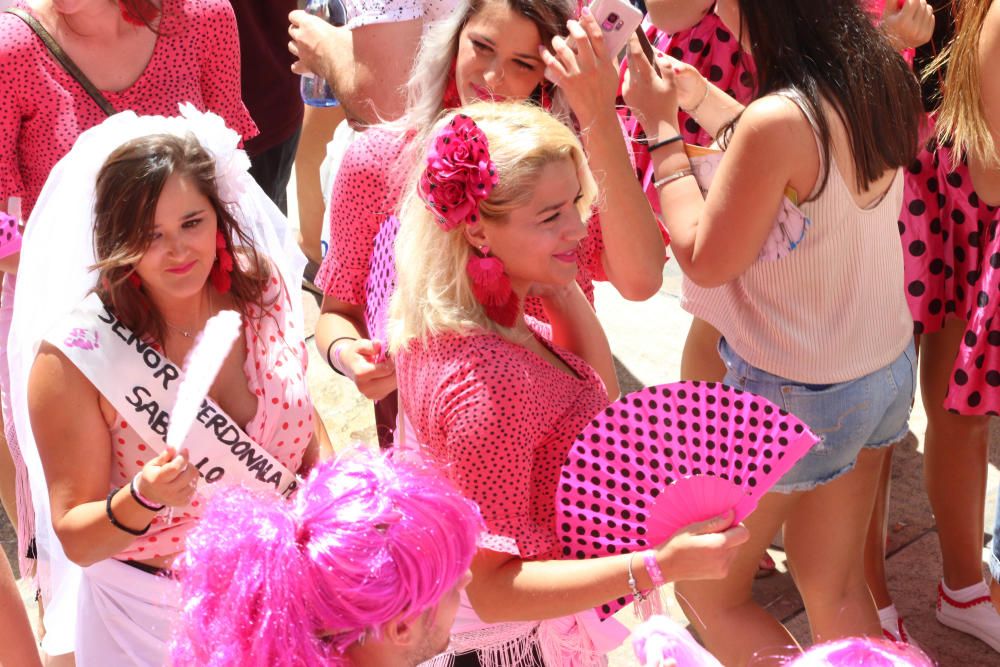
[{"x": 582, "y": 67}]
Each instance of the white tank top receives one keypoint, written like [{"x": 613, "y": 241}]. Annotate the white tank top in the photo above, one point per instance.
[{"x": 832, "y": 310}]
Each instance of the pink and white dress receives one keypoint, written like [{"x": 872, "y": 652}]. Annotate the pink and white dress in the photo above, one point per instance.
[{"x": 43, "y": 110}]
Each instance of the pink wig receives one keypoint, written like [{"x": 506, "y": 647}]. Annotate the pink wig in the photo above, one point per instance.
[
  {"x": 862, "y": 652},
  {"x": 660, "y": 639},
  {"x": 267, "y": 582}
]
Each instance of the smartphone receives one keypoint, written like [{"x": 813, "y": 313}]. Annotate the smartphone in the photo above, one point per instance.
[
  {"x": 617, "y": 19},
  {"x": 647, "y": 48}
]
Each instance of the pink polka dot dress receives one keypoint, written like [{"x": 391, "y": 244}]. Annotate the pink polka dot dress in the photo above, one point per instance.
[
  {"x": 368, "y": 189},
  {"x": 43, "y": 109},
  {"x": 952, "y": 261},
  {"x": 715, "y": 52},
  {"x": 283, "y": 423},
  {"x": 500, "y": 420}
]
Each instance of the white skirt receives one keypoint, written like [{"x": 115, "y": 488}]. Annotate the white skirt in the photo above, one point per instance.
[{"x": 124, "y": 616}]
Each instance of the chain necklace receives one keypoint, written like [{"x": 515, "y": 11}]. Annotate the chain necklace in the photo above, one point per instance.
[{"x": 184, "y": 332}]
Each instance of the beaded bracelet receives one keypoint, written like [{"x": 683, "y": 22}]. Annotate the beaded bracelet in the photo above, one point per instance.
[
  {"x": 133, "y": 488},
  {"x": 632, "y": 583},
  {"x": 114, "y": 521}
]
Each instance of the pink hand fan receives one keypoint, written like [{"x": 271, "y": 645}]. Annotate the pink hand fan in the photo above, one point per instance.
[
  {"x": 10, "y": 235},
  {"x": 721, "y": 447},
  {"x": 381, "y": 283}
]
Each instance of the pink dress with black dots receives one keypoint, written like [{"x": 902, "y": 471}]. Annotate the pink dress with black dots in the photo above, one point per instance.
[
  {"x": 368, "y": 189},
  {"x": 283, "y": 424},
  {"x": 715, "y": 52},
  {"x": 500, "y": 420},
  {"x": 43, "y": 109},
  {"x": 952, "y": 262}
]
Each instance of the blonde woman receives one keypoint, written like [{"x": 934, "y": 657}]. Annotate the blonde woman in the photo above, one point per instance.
[
  {"x": 489, "y": 49},
  {"x": 494, "y": 213}
]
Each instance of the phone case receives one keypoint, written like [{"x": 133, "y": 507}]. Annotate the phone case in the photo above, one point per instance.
[{"x": 618, "y": 20}]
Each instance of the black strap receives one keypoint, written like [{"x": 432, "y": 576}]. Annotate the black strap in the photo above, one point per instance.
[{"x": 64, "y": 59}]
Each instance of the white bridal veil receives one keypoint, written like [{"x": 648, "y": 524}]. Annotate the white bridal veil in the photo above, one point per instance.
[{"x": 54, "y": 276}]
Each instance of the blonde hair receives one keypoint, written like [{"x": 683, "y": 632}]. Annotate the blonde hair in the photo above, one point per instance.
[
  {"x": 961, "y": 118},
  {"x": 433, "y": 294}
]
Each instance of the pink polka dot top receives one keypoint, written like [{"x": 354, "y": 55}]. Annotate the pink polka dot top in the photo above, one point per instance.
[
  {"x": 283, "y": 424},
  {"x": 43, "y": 109},
  {"x": 368, "y": 189},
  {"x": 500, "y": 419}
]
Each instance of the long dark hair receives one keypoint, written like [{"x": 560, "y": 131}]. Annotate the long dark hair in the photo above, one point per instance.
[
  {"x": 128, "y": 189},
  {"x": 829, "y": 49}
]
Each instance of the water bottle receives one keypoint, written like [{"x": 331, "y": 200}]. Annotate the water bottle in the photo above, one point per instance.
[{"x": 315, "y": 90}]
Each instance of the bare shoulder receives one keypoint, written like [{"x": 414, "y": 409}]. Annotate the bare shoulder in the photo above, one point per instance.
[
  {"x": 55, "y": 381},
  {"x": 775, "y": 119}
]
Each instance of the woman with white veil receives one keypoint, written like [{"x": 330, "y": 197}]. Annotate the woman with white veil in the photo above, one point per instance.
[{"x": 61, "y": 264}]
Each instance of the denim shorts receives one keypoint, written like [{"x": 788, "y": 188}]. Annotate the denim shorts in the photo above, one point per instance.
[{"x": 871, "y": 411}]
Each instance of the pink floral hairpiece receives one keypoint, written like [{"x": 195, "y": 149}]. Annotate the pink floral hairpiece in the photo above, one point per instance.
[{"x": 459, "y": 173}]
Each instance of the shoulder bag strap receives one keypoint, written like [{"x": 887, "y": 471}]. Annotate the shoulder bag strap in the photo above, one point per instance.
[{"x": 64, "y": 60}]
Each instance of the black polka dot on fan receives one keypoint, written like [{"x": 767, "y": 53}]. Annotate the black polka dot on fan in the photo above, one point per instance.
[
  {"x": 708, "y": 440},
  {"x": 10, "y": 235},
  {"x": 381, "y": 282}
]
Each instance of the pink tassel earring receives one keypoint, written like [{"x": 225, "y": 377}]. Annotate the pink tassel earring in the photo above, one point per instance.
[
  {"x": 223, "y": 266},
  {"x": 491, "y": 286}
]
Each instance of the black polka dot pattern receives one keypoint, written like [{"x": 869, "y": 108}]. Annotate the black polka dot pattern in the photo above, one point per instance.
[
  {"x": 716, "y": 54},
  {"x": 500, "y": 419},
  {"x": 952, "y": 257},
  {"x": 630, "y": 455},
  {"x": 381, "y": 283},
  {"x": 10, "y": 235},
  {"x": 43, "y": 109}
]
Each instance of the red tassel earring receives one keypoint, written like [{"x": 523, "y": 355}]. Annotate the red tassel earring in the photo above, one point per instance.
[
  {"x": 134, "y": 280},
  {"x": 451, "y": 99},
  {"x": 491, "y": 287},
  {"x": 140, "y": 13},
  {"x": 223, "y": 266}
]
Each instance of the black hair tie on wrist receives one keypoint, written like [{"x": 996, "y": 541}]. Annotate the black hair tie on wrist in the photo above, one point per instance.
[
  {"x": 329, "y": 349},
  {"x": 114, "y": 521},
  {"x": 665, "y": 142}
]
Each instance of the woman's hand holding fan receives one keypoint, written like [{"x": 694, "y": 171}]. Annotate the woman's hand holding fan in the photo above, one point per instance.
[
  {"x": 703, "y": 550},
  {"x": 666, "y": 457}
]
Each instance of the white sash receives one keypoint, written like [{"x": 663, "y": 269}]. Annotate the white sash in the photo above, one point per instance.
[{"x": 141, "y": 384}]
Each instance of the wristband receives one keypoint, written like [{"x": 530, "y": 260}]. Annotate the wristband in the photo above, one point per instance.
[
  {"x": 653, "y": 568},
  {"x": 133, "y": 488},
  {"x": 665, "y": 142},
  {"x": 114, "y": 521},
  {"x": 336, "y": 354}
]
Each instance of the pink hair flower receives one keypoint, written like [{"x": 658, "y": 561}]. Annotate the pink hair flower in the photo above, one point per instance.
[{"x": 459, "y": 173}]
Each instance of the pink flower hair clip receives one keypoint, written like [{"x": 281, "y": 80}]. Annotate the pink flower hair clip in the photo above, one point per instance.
[{"x": 459, "y": 173}]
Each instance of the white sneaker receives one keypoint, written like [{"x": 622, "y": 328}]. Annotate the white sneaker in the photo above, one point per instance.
[
  {"x": 893, "y": 627},
  {"x": 976, "y": 617}
]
